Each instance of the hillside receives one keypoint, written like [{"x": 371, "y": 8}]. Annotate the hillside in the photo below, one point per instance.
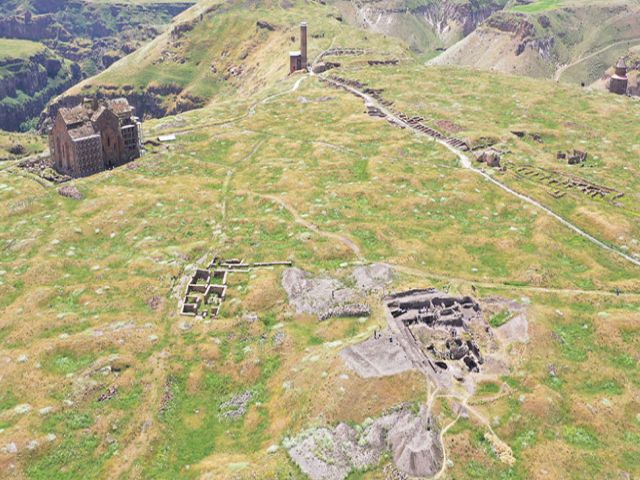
[
  {"x": 18, "y": 145},
  {"x": 215, "y": 50},
  {"x": 84, "y": 37},
  {"x": 92, "y": 33},
  {"x": 427, "y": 26},
  {"x": 30, "y": 75},
  {"x": 326, "y": 207},
  {"x": 550, "y": 41}
]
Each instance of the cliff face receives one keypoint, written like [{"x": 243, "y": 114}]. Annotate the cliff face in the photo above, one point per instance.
[
  {"x": 90, "y": 33},
  {"x": 27, "y": 84},
  {"x": 83, "y": 37},
  {"x": 427, "y": 26},
  {"x": 461, "y": 17}
]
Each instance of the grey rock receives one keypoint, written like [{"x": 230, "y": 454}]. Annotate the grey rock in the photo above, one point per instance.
[{"x": 373, "y": 277}]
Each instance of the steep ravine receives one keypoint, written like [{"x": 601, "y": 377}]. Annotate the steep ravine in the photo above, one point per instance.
[
  {"x": 27, "y": 84},
  {"x": 92, "y": 34}
]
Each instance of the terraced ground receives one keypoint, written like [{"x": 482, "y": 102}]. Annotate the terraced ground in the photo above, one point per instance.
[{"x": 294, "y": 169}]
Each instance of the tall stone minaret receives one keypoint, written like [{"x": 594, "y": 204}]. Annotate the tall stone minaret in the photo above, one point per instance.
[{"x": 303, "y": 45}]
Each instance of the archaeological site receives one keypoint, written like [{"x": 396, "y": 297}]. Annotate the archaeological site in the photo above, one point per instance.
[{"x": 319, "y": 240}]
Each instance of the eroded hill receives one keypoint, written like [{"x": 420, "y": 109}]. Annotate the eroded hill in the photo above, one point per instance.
[{"x": 549, "y": 40}]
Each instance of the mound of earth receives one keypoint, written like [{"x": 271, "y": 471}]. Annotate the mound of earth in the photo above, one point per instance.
[
  {"x": 377, "y": 357},
  {"x": 332, "y": 453},
  {"x": 328, "y": 297},
  {"x": 373, "y": 277}
]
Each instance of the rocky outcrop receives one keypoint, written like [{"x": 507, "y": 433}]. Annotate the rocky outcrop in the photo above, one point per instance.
[
  {"x": 446, "y": 21},
  {"x": 36, "y": 28},
  {"x": 412, "y": 440},
  {"x": 524, "y": 32},
  {"x": 29, "y": 83},
  {"x": 466, "y": 15},
  {"x": 84, "y": 31}
]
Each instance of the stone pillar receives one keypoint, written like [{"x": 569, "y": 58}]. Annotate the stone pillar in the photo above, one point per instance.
[{"x": 303, "y": 44}]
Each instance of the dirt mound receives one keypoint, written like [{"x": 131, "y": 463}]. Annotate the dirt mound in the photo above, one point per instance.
[
  {"x": 377, "y": 357},
  {"x": 316, "y": 296},
  {"x": 332, "y": 453},
  {"x": 373, "y": 277}
]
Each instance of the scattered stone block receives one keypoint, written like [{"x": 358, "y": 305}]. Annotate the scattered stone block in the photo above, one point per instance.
[
  {"x": 45, "y": 411},
  {"x": 22, "y": 409},
  {"x": 265, "y": 25},
  {"x": 70, "y": 191},
  {"x": 491, "y": 157},
  {"x": 237, "y": 406}
]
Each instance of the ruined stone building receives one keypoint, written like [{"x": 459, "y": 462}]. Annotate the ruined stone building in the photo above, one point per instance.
[
  {"x": 94, "y": 136},
  {"x": 298, "y": 59},
  {"x": 619, "y": 82}
]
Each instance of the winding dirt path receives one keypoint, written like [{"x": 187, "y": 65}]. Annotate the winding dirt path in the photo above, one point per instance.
[
  {"x": 560, "y": 71},
  {"x": 350, "y": 244}
]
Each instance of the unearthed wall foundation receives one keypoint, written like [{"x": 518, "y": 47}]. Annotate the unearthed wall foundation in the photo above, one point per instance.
[
  {"x": 415, "y": 123},
  {"x": 442, "y": 335},
  {"x": 207, "y": 288}
]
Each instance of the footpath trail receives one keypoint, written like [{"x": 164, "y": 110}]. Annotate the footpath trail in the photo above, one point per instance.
[
  {"x": 300, "y": 220},
  {"x": 560, "y": 71},
  {"x": 466, "y": 163}
]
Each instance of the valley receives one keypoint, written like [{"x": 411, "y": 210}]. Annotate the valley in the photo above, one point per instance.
[{"x": 86, "y": 37}]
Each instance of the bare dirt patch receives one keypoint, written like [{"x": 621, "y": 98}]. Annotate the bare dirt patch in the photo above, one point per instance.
[{"x": 377, "y": 357}]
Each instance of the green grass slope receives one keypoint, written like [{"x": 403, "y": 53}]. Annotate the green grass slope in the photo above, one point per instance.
[
  {"x": 294, "y": 169},
  {"x": 549, "y": 39},
  {"x": 10, "y": 48},
  {"x": 222, "y": 52}
]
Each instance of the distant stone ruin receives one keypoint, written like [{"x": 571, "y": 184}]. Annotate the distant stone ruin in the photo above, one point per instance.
[
  {"x": 343, "y": 52},
  {"x": 298, "y": 59},
  {"x": 619, "y": 81},
  {"x": 412, "y": 122},
  {"x": 375, "y": 63},
  {"x": 576, "y": 157},
  {"x": 561, "y": 182},
  {"x": 203, "y": 297},
  {"x": 491, "y": 157},
  {"x": 95, "y": 136}
]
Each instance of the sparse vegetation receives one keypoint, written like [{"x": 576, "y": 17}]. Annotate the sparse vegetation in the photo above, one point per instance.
[{"x": 265, "y": 172}]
